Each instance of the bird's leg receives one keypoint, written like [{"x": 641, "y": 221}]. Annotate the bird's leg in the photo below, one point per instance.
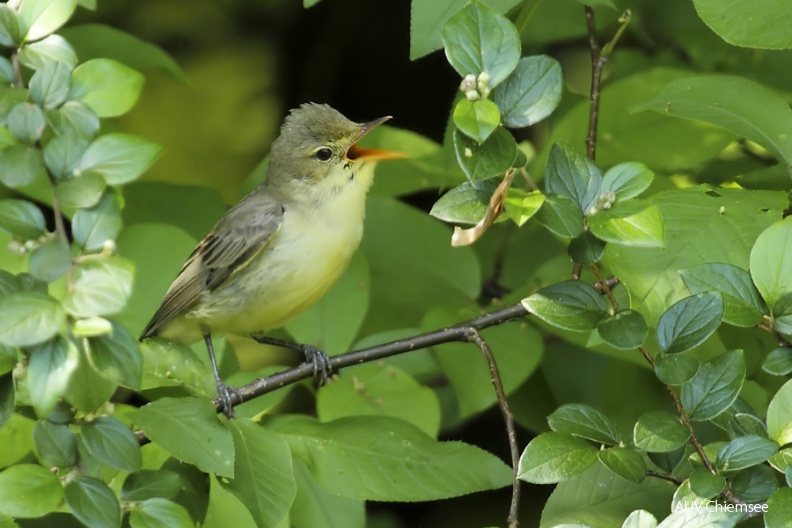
[
  {"x": 226, "y": 393},
  {"x": 322, "y": 368}
]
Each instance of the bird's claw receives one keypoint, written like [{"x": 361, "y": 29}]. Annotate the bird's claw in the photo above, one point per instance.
[
  {"x": 227, "y": 394},
  {"x": 322, "y": 368}
]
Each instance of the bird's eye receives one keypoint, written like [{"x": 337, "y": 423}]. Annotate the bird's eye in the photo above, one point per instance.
[{"x": 323, "y": 154}]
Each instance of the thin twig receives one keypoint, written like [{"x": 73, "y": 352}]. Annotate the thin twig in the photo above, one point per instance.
[
  {"x": 604, "y": 287},
  {"x": 474, "y": 337},
  {"x": 598, "y": 61},
  {"x": 670, "y": 478}
]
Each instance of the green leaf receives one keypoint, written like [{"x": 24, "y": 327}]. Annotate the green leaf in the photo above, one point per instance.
[
  {"x": 770, "y": 256},
  {"x": 659, "y": 432},
  {"x": 93, "y": 227},
  {"x": 117, "y": 357},
  {"x": 39, "y": 18},
  {"x": 701, "y": 517},
  {"x": 640, "y": 519},
  {"x": 626, "y": 180},
  {"x": 263, "y": 478},
  {"x": 28, "y": 490},
  {"x": 634, "y": 223},
  {"x": 160, "y": 513},
  {"x": 112, "y": 443},
  {"x": 74, "y": 118},
  {"x": 52, "y": 49},
  {"x": 188, "y": 429},
  {"x": 100, "y": 287},
  {"x": 50, "y": 372},
  {"x": 26, "y": 122},
  {"x": 625, "y": 330},
  {"x": 779, "y": 415},
  {"x": 22, "y": 219},
  {"x": 779, "y": 509},
  {"x": 586, "y": 248},
  {"x": 314, "y": 506},
  {"x": 108, "y": 87},
  {"x": 742, "y": 304},
  {"x": 778, "y": 362},
  {"x": 20, "y": 165},
  {"x": 383, "y": 458},
  {"x": 689, "y": 322},
  {"x": 754, "y": 484},
  {"x": 93, "y": 502},
  {"x": 584, "y": 421},
  {"x": 29, "y": 318},
  {"x": 49, "y": 86},
  {"x": 224, "y": 505},
  {"x": 169, "y": 364},
  {"x": 88, "y": 390},
  {"x": 492, "y": 157},
  {"x": 735, "y": 103},
  {"x": 625, "y": 462},
  {"x": 477, "y": 119},
  {"x": 466, "y": 203},
  {"x": 555, "y": 457},
  {"x": 118, "y": 158},
  {"x": 147, "y": 484},
  {"x": 714, "y": 387},
  {"x": 570, "y": 305},
  {"x": 675, "y": 369},
  {"x": 81, "y": 192},
  {"x": 572, "y": 175},
  {"x": 744, "y": 452},
  {"x": 521, "y": 206},
  {"x": 94, "y": 41},
  {"x": 50, "y": 260},
  {"x": 55, "y": 443},
  {"x": 9, "y": 27},
  {"x": 477, "y": 39},
  {"x": 63, "y": 154},
  {"x": 705, "y": 484},
  {"x": 531, "y": 92},
  {"x": 751, "y": 24},
  {"x": 561, "y": 215},
  {"x": 381, "y": 390}
]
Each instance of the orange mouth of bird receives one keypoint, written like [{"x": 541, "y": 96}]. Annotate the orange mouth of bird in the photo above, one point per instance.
[{"x": 356, "y": 152}]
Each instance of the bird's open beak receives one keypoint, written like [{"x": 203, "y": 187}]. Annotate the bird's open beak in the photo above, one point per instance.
[{"x": 356, "y": 152}]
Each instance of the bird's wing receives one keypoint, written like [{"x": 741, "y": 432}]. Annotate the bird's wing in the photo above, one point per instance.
[{"x": 238, "y": 237}]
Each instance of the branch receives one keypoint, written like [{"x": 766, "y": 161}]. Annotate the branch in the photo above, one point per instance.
[
  {"x": 474, "y": 337},
  {"x": 598, "y": 61}
]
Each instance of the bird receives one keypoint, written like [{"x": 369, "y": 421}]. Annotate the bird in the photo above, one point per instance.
[{"x": 277, "y": 251}]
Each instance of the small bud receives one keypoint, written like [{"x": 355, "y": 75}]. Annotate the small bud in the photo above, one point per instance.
[
  {"x": 31, "y": 245},
  {"x": 468, "y": 83},
  {"x": 483, "y": 79},
  {"x": 472, "y": 95},
  {"x": 722, "y": 209},
  {"x": 468, "y": 152},
  {"x": 108, "y": 247}
]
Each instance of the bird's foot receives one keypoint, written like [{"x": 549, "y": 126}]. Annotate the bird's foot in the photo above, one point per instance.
[
  {"x": 227, "y": 395},
  {"x": 322, "y": 368}
]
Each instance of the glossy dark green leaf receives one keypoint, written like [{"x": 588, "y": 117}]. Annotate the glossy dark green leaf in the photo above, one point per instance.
[
  {"x": 51, "y": 260},
  {"x": 117, "y": 357},
  {"x": 112, "y": 443},
  {"x": 625, "y": 330},
  {"x": 88, "y": 390},
  {"x": 39, "y": 18},
  {"x": 93, "y": 502},
  {"x": 29, "y": 490},
  {"x": 62, "y": 155},
  {"x": 74, "y": 118},
  {"x": 754, "y": 484},
  {"x": 54, "y": 48},
  {"x": 555, "y": 457},
  {"x": 675, "y": 369},
  {"x": 572, "y": 175},
  {"x": 263, "y": 478},
  {"x": 584, "y": 421},
  {"x": 705, "y": 484},
  {"x": 29, "y": 318},
  {"x": 659, "y": 432},
  {"x": 586, "y": 248},
  {"x": 20, "y": 165},
  {"x": 102, "y": 222},
  {"x": 742, "y": 304},
  {"x": 625, "y": 462},
  {"x": 748, "y": 24},
  {"x": 715, "y": 386},
  {"x": 101, "y": 287},
  {"x": 521, "y": 206},
  {"x": 26, "y": 122},
  {"x": 478, "y": 39},
  {"x": 561, "y": 216},
  {"x": 778, "y": 362},
  {"x": 689, "y": 322},
  {"x": 744, "y": 424},
  {"x": 22, "y": 219},
  {"x": 633, "y": 223},
  {"x": 49, "y": 86},
  {"x": 118, "y": 158},
  {"x": 744, "y": 452},
  {"x": 315, "y": 506},
  {"x": 771, "y": 255},
  {"x": 147, "y": 484},
  {"x": 570, "y": 305},
  {"x": 492, "y": 157},
  {"x": 9, "y": 26},
  {"x": 476, "y": 119},
  {"x": 188, "y": 429},
  {"x": 108, "y": 87},
  {"x": 160, "y": 513},
  {"x": 7, "y": 397},
  {"x": 626, "y": 180},
  {"x": 531, "y": 92},
  {"x": 55, "y": 443},
  {"x": 81, "y": 192},
  {"x": 467, "y": 203},
  {"x": 50, "y": 372}
]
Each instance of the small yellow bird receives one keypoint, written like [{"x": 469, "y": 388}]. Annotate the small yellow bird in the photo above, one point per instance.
[{"x": 280, "y": 249}]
